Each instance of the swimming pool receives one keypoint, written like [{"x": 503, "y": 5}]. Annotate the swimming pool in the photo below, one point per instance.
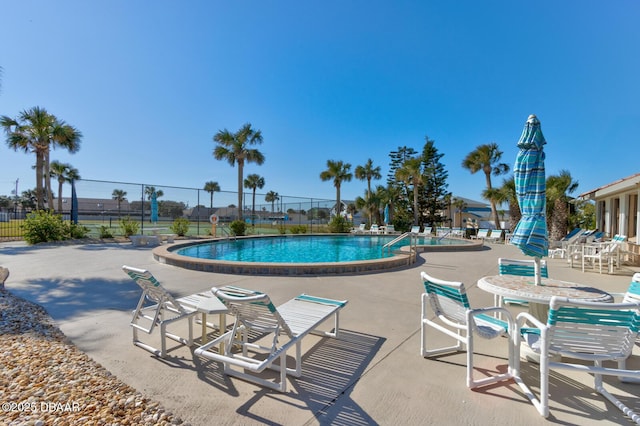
[
  {"x": 298, "y": 254},
  {"x": 303, "y": 249}
]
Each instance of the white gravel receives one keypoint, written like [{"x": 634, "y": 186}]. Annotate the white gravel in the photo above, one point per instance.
[{"x": 46, "y": 380}]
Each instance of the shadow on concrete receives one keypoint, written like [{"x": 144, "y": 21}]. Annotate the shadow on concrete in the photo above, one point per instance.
[
  {"x": 65, "y": 298},
  {"x": 330, "y": 370}
]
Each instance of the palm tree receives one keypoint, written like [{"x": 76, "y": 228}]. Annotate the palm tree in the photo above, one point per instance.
[
  {"x": 460, "y": 205},
  {"x": 234, "y": 147},
  {"x": 211, "y": 187},
  {"x": 486, "y": 158},
  {"x": 64, "y": 173},
  {"x": 119, "y": 195},
  {"x": 368, "y": 172},
  {"x": 149, "y": 190},
  {"x": 411, "y": 174},
  {"x": 392, "y": 194},
  {"x": 339, "y": 172},
  {"x": 252, "y": 182},
  {"x": 558, "y": 188},
  {"x": 508, "y": 193},
  {"x": 36, "y": 130},
  {"x": 271, "y": 197},
  {"x": 371, "y": 205}
]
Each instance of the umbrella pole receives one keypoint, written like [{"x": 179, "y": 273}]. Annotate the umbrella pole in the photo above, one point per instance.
[{"x": 537, "y": 274}]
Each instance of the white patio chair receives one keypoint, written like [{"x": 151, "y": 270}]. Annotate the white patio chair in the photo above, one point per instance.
[
  {"x": 374, "y": 229},
  {"x": 609, "y": 252},
  {"x": 522, "y": 267},
  {"x": 278, "y": 328},
  {"x": 158, "y": 307},
  {"x": 588, "y": 331},
  {"x": 449, "y": 303}
]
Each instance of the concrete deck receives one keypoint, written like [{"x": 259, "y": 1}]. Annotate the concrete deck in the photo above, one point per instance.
[{"x": 374, "y": 374}]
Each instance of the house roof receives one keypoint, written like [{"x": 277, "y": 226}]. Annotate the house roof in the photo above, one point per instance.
[{"x": 619, "y": 185}]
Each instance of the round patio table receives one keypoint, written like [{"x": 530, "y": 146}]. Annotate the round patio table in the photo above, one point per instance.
[
  {"x": 523, "y": 288},
  {"x": 519, "y": 287}
]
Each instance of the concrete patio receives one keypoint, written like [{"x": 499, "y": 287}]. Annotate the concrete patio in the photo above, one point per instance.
[{"x": 373, "y": 374}]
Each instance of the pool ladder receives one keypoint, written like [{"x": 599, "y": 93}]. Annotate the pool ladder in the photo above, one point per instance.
[{"x": 413, "y": 245}]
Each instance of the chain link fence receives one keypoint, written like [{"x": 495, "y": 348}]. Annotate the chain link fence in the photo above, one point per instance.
[{"x": 102, "y": 204}]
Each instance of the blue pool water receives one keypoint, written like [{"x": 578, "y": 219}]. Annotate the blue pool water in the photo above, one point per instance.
[{"x": 300, "y": 249}]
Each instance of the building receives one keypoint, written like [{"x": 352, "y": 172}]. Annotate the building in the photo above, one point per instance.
[{"x": 618, "y": 210}]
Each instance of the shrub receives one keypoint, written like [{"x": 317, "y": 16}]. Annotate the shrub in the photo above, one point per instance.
[
  {"x": 74, "y": 231},
  {"x": 105, "y": 232},
  {"x": 43, "y": 225},
  {"x": 298, "y": 229},
  {"x": 129, "y": 227},
  {"x": 339, "y": 224},
  {"x": 180, "y": 226},
  {"x": 238, "y": 227}
]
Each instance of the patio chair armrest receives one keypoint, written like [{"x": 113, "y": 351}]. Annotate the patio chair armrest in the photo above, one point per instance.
[
  {"x": 526, "y": 316},
  {"x": 238, "y": 294},
  {"x": 494, "y": 309},
  {"x": 484, "y": 314}
]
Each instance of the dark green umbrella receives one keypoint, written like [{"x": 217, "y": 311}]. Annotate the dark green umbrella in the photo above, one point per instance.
[{"x": 530, "y": 234}]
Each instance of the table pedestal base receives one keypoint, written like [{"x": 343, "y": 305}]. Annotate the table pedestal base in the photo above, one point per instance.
[{"x": 541, "y": 312}]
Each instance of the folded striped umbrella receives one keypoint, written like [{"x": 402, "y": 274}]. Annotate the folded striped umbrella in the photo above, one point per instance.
[{"x": 530, "y": 234}]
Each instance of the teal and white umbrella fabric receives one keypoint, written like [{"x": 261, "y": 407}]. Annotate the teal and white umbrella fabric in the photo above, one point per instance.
[
  {"x": 530, "y": 234},
  {"x": 154, "y": 207}
]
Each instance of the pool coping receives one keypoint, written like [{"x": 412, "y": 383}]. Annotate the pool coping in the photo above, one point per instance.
[{"x": 166, "y": 254}]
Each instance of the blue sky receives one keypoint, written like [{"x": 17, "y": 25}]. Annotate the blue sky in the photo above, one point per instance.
[{"x": 149, "y": 83}]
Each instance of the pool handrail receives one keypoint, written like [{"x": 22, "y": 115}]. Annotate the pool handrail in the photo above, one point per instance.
[{"x": 413, "y": 245}]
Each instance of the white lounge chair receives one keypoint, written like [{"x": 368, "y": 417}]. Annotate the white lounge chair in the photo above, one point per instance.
[
  {"x": 374, "y": 229},
  {"x": 450, "y": 305},
  {"x": 587, "y": 331},
  {"x": 158, "y": 307},
  {"x": 390, "y": 229},
  {"x": 495, "y": 236},
  {"x": 481, "y": 234},
  {"x": 360, "y": 229},
  {"x": 426, "y": 232},
  {"x": 278, "y": 328},
  {"x": 415, "y": 229}
]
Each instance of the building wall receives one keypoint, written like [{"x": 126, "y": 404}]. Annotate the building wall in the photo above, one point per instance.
[{"x": 618, "y": 212}]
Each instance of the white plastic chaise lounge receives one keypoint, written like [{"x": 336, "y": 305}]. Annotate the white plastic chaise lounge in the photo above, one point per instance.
[
  {"x": 495, "y": 236},
  {"x": 278, "y": 329},
  {"x": 482, "y": 234},
  {"x": 360, "y": 229},
  {"x": 157, "y": 307},
  {"x": 426, "y": 232}
]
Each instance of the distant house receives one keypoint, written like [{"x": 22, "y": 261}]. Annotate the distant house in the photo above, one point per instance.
[{"x": 475, "y": 214}]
